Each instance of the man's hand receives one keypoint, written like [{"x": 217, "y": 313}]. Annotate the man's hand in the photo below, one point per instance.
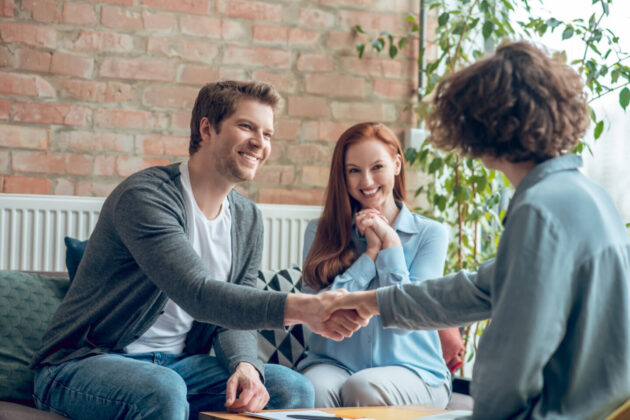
[
  {"x": 252, "y": 394},
  {"x": 453, "y": 349},
  {"x": 343, "y": 322},
  {"x": 364, "y": 304},
  {"x": 318, "y": 312}
]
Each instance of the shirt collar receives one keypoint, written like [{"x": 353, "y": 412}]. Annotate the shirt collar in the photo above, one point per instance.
[
  {"x": 540, "y": 172},
  {"x": 405, "y": 221}
]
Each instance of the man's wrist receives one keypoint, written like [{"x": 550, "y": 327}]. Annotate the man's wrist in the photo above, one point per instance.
[
  {"x": 248, "y": 369},
  {"x": 244, "y": 366},
  {"x": 297, "y": 304},
  {"x": 365, "y": 303}
]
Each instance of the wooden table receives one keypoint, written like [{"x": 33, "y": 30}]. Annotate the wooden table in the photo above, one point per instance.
[{"x": 398, "y": 412}]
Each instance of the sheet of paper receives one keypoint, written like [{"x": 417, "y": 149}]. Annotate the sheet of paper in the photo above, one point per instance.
[
  {"x": 285, "y": 415},
  {"x": 456, "y": 414}
]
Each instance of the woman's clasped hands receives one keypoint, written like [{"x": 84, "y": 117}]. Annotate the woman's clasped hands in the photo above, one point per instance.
[{"x": 378, "y": 233}]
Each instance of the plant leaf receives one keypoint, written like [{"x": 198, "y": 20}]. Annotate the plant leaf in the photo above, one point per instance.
[
  {"x": 435, "y": 164},
  {"x": 599, "y": 128},
  {"x": 360, "y": 49},
  {"x": 393, "y": 51},
  {"x": 567, "y": 33},
  {"x": 487, "y": 28},
  {"x": 443, "y": 18},
  {"x": 624, "y": 98}
]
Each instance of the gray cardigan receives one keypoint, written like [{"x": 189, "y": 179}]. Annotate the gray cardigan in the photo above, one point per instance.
[{"x": 138, "y": 256}]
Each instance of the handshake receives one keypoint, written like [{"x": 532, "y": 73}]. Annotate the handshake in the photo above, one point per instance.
[{"x": 335, "y": 314}]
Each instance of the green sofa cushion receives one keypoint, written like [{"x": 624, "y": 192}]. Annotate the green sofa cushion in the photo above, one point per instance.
[{"x": 27, "y": 304}]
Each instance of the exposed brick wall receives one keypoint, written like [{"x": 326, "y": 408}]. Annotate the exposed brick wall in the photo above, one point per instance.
[{"x": 92, "y": 91}]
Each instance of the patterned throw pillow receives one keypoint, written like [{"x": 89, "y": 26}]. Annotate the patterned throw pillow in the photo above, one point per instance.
[{"x": 283, "y": 347}]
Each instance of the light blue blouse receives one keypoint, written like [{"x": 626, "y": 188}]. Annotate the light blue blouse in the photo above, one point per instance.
[
  {"x": 422, "y": 255},
  {"x": 558, "y": 293}
]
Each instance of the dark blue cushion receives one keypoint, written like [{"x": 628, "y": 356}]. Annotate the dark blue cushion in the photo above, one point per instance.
[{"x": 74, "y": 252}]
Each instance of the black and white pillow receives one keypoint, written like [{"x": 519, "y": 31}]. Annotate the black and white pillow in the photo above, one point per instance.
[{"x": 283, "y": 347}]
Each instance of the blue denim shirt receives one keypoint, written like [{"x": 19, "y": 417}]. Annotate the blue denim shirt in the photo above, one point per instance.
[
  {"x": 422, "y": 255},
  {"x": 558, "y": 294}
]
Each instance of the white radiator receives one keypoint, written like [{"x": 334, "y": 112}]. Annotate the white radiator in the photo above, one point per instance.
[{"x": 32, "y": 228}]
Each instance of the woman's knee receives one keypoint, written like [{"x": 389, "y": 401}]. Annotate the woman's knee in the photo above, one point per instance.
[{"x": 359, "y": 390}]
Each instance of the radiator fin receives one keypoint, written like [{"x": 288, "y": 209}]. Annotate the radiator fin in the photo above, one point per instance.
[{"x": 32, "y": 228}]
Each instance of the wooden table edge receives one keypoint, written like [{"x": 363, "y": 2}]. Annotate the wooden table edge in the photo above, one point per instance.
[{"x": 420, "y": 409}]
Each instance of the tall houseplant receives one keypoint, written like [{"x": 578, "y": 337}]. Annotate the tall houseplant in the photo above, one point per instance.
[{"x": 464, "y": 194}]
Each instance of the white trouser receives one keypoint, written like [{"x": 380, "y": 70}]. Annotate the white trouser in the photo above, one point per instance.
[{"x": 387, "y": 385}]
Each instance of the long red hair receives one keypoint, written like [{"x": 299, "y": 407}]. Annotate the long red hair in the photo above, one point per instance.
[{"x": 332, "y": 252}]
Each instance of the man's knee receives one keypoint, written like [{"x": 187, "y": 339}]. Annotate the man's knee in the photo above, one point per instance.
[
  {"x": 163, "y": 396},
  {"x": 287, "y": 388}
]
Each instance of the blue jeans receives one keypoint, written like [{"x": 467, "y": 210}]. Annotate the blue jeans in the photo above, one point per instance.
[{"x": 153, "y": 386}]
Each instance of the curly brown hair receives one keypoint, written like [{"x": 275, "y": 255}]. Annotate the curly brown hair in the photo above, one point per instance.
[{"x": 517, "y": 104}]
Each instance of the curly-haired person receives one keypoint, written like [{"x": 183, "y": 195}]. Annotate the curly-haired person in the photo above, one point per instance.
[{"x": 557, "y": 292}]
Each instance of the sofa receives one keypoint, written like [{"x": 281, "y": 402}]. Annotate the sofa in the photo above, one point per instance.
[{"x": 28, "y": 301}]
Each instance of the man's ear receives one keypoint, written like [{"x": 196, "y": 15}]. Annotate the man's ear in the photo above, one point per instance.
[{"x": 205, "y": 129}]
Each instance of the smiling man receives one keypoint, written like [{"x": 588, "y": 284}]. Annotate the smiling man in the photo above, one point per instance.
[{"x": 161, "y": 282}]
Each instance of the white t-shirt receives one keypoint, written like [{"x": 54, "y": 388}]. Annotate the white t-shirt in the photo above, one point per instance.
[{"x": 212, "y": 240}]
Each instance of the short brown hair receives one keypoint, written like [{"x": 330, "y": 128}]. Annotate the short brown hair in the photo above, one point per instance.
[
  {"x": 218, "y": 101},
  {"x": 517, "y": 104}
]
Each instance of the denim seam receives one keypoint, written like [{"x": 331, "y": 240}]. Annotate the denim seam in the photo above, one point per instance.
[{"x": 94, "y": 397}]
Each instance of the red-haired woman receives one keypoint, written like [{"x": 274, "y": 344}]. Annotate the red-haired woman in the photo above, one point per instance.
[{"x": 367, "y": 238}]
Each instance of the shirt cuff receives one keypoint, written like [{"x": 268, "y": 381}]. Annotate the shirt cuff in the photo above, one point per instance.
[
  {"x": 391, "y": 260},
  {"x": 362, "y": 271},
  {"x": 386, "y": 305}
]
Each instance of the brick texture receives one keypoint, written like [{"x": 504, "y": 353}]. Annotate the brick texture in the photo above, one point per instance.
[
  {"x": 42, "y": 10},
  {"x": 185, "y": 6},
  {"x": 26, "y": 185},
  {"x": 7, "y": 8},
  {"x": 33, "y": 60},
  {"x": 51, "y": 113},
  {"x": 78, "y": 14},
  {"x": 92, "y": 91},
  {"x": 120, "y": 18},
  {"x": 71, "y": 65},
  {"x": 5, "y": 109},
  {"x": 29, "y": 34}
]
